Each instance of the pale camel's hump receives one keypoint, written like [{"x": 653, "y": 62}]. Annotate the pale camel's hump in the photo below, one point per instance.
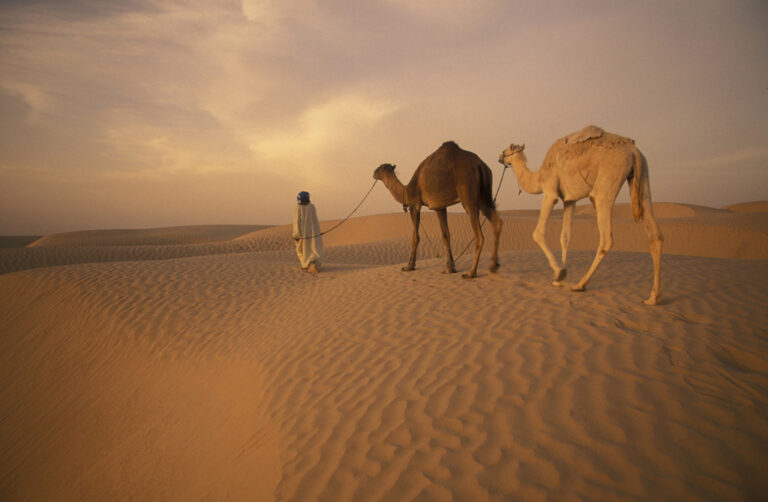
[
  {"x": 566, "y": 153},
  {"x": 574, "y": 166}
]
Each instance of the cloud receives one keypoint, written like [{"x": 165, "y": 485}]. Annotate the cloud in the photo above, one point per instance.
[
  {"x": 744, "y": 156},
  {"x": 37, "y": 99},
  {"x": 451, "y": 12},
  {"x": 323, "y": 130},
  {"x": 261, "y": 11},
  {"x": 314, "y": 93}
]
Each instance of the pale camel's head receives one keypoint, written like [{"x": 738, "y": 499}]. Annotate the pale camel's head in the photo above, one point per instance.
[
  {"x": 383, "y": 170},
  {"x": 506, "y": 156}
]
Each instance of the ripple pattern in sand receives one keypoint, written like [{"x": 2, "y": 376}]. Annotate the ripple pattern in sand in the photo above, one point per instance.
[
  {"x": 471, "y": 391},
  {"x": 385, "y": 385}
]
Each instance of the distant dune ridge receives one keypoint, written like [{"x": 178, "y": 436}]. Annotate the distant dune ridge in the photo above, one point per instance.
[
  {"x": 193, "y": 363},
  {"x": 741, "y": 234},
  {"x": 152, "y": 236}
]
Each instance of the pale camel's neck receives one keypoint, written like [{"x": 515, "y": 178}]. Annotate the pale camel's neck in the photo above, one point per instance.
[
  {"x": 528, "y": 181},
  {"x": 396, "y": 188}
]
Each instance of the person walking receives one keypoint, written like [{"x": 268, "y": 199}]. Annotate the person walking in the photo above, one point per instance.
[{"x": 306, "y": 233}]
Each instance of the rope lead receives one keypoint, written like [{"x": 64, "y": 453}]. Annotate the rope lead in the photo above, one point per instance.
[
  {"x": 484, "y": 218},
  {"x": 345, "y": 219}
]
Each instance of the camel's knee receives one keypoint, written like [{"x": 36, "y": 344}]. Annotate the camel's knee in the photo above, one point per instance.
[
  {"x": 538, "y": 237},
  {"x": 652, "y": 228},
  {"x": 606, "y": 245},
  {"x": 497, "y": 230}
]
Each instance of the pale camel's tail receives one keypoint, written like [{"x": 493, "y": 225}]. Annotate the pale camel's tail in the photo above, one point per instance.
[{"x": 636, "y": 179}]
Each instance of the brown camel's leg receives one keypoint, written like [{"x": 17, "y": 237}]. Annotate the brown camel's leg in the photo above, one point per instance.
[
  {"x": 656, "y": 240},
  {"x": 565, "y": 235},
  {"x": 539, "y": 235},
  {"x": 442, "y": 216},
  {"x": 604, "y": 208},
  {"x": 474, "y": 218},
  {"x": 415, "y": 218},
  {"x": 496, "y": 222}
]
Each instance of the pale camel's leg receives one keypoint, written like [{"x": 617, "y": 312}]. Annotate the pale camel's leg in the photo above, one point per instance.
[
  {"x": 442, "y": 216},
  {"x": 656, "y": 240},
  {"x": 565, "y": 235},
  {"x": 474, "y": 218},
  {"x": 415, "y": 218},
  {"x": 496, "y": 223},
  {"x": 539, "y": 235},
  {"x": 604, "y": 208}
]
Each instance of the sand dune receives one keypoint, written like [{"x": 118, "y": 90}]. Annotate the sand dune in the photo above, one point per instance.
[
  {"x": 690, "y": 230},
  {"x": 17, "y": 241},
  {"x": 216, "y": 369},
  {"x": 146, "y": 237},
  {"x": 749, "y": 207}
]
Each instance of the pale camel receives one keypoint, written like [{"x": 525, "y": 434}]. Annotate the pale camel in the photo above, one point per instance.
[
  {"x": 590, "y": 163},
  {"x": 448, "y": 176}
]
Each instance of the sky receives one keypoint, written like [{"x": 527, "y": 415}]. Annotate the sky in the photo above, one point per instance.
[{"x": 154, "y": 113}]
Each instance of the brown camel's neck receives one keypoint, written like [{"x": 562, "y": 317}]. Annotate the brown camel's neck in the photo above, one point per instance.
[
  {"x": 395, "y": 187},
  {"x": 528, "y": 181}
]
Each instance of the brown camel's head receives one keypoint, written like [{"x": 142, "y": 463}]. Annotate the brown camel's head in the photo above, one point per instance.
[
  {"x": 506, "y": 156},
  {"x": 382, "y": 170}
]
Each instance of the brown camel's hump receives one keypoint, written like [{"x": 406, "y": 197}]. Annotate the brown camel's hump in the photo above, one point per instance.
[
  {"x": 438, "y": 177},
  {"x": 453, "y": 152},
  {"x": 442, "y": 157},
  {"x": 450, "y": 145}
]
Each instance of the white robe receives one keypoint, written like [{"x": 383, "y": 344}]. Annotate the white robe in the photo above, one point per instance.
[{"x": 305, "y": 224}]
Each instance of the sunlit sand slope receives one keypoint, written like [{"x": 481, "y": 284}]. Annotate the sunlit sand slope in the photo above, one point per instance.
[{"x": 236, "y": 375}]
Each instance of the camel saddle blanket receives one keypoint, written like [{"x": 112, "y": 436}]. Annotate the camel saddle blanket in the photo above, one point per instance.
[{"x": 589, "y": 132}]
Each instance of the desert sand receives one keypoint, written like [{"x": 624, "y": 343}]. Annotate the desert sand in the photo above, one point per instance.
[{"x": 200, "y": 363}]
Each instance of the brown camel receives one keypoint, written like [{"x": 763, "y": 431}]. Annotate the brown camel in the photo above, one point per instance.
[
  {"x": 590, "y": 163},
  {"x": 448, "y": 176}
]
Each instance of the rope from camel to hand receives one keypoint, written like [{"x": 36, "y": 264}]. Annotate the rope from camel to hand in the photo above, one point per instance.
[
  {"x": 342, "y": 221},
  {"x": 484, "y": 218}
]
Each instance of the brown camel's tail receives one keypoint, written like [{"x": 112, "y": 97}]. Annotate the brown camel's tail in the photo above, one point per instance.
[
  {"x": 637, "y": 181},
  {"x": 486, "y": 185}
]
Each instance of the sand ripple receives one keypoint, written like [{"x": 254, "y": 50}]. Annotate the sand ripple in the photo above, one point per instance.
[{"x": 235, "y": 375}]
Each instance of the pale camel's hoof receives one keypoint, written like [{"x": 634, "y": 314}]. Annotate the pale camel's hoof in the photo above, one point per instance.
[
  {"x": 468, "y": 275},
  {"x": 408, "y": 268},
  {"x": 653, "y": 301},
  {"x": 560, "y": 274},
  {"x": 557, "y": 283},
  {"x": 578, "y": 289},
  {"x": 312, "y": 269},
  {"x": 494, "y": 268},
  {"x": 449, "y": 271}
]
